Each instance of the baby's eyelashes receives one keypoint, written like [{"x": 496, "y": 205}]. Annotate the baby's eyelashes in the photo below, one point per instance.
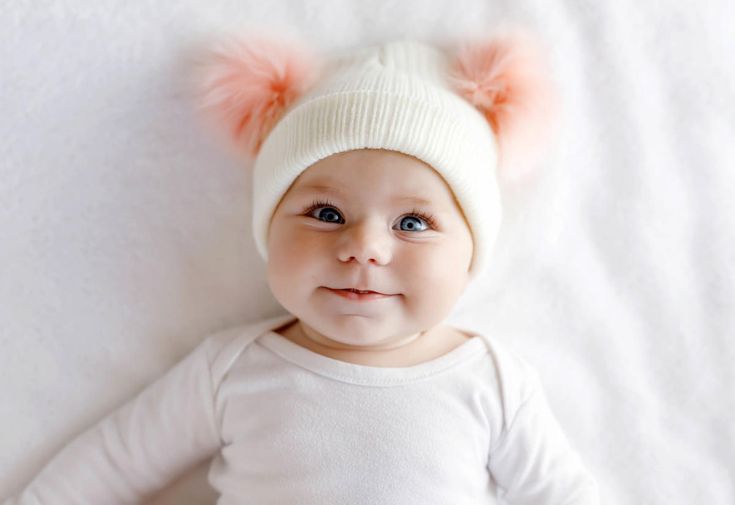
[{"x": 416, "y": 220}]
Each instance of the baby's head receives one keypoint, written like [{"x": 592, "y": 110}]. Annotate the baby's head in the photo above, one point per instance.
[{"x": 408, "y": 138}]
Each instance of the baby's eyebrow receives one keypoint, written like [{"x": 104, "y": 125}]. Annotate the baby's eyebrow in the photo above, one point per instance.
[{"x": 323, "y": 188}]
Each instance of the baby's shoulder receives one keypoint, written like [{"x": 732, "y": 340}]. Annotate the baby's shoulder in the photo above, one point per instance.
[
  {"x": 221, "y": 348},
  {"x": 506, "y": 359},
  {"x": 514, "y": 376}
]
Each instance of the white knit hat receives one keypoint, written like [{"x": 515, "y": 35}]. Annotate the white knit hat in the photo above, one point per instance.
[{"x": 402, "y": 95}]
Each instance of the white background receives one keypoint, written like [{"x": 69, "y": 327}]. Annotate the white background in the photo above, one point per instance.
[{"x": 125, "y": 229}]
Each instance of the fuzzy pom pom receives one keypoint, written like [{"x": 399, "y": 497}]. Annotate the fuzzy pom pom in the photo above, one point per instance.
[
  {"x": 506, "y": 79},
  {"x": 249, "y": 83}
]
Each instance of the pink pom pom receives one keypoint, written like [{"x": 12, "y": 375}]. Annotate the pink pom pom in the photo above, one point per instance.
[
  {"x": 505, "y": 78},
  {"x": 250, "y": 83}
]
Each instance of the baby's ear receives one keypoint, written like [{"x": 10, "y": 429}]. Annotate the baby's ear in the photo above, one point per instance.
[
  {"x": 506, "y": 78},
  {"x": 246, "y": 84}
]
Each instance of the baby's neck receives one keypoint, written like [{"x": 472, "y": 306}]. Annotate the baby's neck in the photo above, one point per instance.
[{"x": 427, "y": 346}]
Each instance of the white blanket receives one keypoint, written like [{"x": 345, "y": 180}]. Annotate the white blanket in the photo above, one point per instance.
[{"x": 125, "y": 226}]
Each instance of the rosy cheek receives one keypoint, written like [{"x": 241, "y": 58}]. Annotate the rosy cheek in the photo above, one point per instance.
[
  {"x": 303, "y": 251},
  {"x": 313, "y": 234}
]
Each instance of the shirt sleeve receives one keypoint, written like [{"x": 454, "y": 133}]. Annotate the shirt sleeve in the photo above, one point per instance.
[
  {"x": 167, "y": 428},
  {"x": 532, "y": 461}
]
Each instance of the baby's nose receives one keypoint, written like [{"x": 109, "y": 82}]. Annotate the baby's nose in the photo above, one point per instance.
[{"x": 366, "y": 242}]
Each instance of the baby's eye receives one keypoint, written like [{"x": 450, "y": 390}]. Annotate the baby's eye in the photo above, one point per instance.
[
  {"x": 418, "y": 215},
  {"x": 327, "y": 212},
  {"x": 318, "y": 204},
  {"x": 411, "y": 225}
]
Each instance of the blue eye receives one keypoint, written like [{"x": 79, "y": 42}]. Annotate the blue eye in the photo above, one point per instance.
[
  {"x": 330, "y": 210},
  {"x": 412, "y": 227},
  {"x": 318, "y": 204},
  {"x": 427, "y": 218}
]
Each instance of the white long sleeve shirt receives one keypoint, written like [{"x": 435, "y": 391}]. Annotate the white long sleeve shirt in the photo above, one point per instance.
[{"x": 286, "y": 425}]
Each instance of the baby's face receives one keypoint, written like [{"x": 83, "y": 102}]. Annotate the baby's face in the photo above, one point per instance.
[{"x": 364, "y": 234}]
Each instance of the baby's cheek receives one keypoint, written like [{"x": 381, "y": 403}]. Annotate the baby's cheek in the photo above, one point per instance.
[
  {"x": 421, "y": 281},
  {"x": 310, "y": 243},
  {"x": 300, "y": 253},
  {"x": 439, "y": 277},
  {"x": 284, "y": 239}
]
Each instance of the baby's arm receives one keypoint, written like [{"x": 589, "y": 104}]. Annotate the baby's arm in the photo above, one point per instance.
[
  {"x": 167, "y": 428},
  {"x": 532, "y": 461}
]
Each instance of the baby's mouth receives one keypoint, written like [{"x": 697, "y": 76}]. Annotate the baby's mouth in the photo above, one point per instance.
[
  {"x": 357, "y": 294},
  {"x": 358, "y": 291}
]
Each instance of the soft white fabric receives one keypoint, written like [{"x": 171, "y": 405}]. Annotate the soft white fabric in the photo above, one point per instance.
[{"x": 294, "y": 426}]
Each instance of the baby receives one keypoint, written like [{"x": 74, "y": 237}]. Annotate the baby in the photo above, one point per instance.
[{"x": 375, "y": 202}]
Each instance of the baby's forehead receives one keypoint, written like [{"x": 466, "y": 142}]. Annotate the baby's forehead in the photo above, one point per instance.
[
  {"x": 390, "y": 188},
  {"x": 400, "y": 175}
]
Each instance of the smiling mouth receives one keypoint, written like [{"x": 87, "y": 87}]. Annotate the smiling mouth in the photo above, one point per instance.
[
  {"x": 357, "y": 295},
  {"x": 360, "y": 292}
]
